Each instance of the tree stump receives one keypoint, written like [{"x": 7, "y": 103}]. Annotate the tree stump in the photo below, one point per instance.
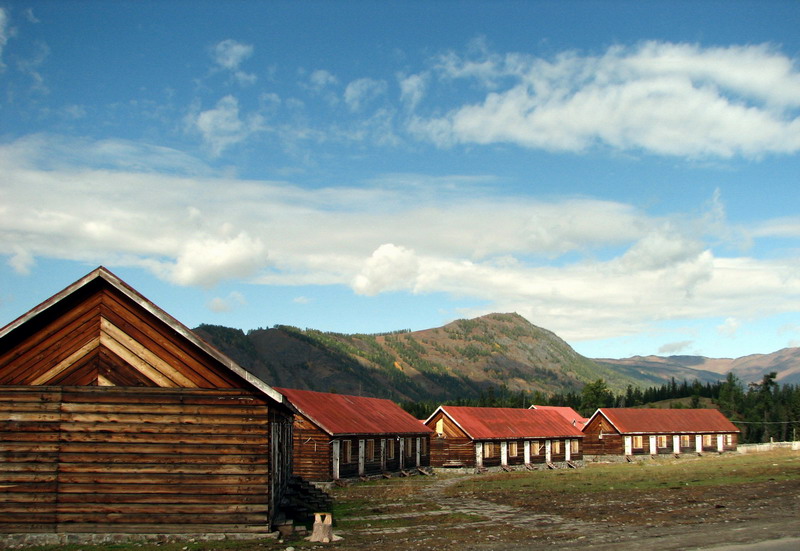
[{"x": 323, "y": 528}]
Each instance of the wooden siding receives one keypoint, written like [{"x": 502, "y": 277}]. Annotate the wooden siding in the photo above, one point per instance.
[
  {"x": 98, "y": 336},
  {"x": 312, "y": 451},
  {"x": 91, "y": 460},
  {"x": 610, "y": 443}
]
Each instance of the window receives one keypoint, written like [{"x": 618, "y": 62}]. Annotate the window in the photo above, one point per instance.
[
  {"x": 686, "y": 441},
  {"x": 555, "y": 447},
  {"x": 638, "y": 442},
  {"x": 390, "y": 448},
  {"x": 409, "y": 447},
  {"x": 729, "y": 440},
  {"x": 708, "y": 440},
  {"x": 512, "y": 449},
  {"x": 661, "y": 441},
  {"x": 347, "y": 451},
  {"x": 488, "y": 449},
  {"x": 423, "y": 446},
  {"x": 535, "y": 447},
  {"x": 440, "y": 426},
  {"x": 574, "y": 446},
  {"x": 370, "y": 453}
]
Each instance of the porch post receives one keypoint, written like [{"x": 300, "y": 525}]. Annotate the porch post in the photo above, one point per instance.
[
  {"x": 504, "y": 453},
  {"x": 548, "y": 446},
  {"x": 698, "y": 443},
  {"x": 336, "y": 458},
  {"x": 567, "y": 449},
  {"x": 676, "y": 444},
  {"x": 628, "y": 445},
  {"x": 527, "y": 451},
  {"x": 479, "y": 454},
  {"x": 653, "y": 446},
  {"x": 720, "y": 443},
  {"x": 361, "y": 456}
]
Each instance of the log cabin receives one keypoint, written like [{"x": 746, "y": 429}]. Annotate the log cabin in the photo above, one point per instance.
[
  {"x": 630, "y": 432},
  {"x": 117, "y": 419},
  {"x": 339, "y": 436},
  {"x": 483, "y": 437}
]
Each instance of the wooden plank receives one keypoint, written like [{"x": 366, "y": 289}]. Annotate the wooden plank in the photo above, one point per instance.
[
  {"x": 182, "y": 468},
  {"x": 227, "y": 423},
  {"x": 234, "y": 409},
  {"x": 162, "y": 340},
  {"x": 57, "y": 330},
  {"x": 62, "y": 341},
  {"x": 143, "y": 528},
  {"x": 140, "y": 357},
  {"x": 190, "y": 431},
  {"x": 209, "y": 490},
  {"x": 199, "y": 480}
]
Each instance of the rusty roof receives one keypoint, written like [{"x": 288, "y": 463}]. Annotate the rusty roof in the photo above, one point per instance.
[
  {"x": 500, "y": 423},
  {"x": 339, "y": 414},
  {"x": 567, "y": 413},
  {"x": 666, "y": 421}
]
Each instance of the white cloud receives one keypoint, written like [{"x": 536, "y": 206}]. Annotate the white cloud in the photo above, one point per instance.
[
  {"x": 222, "y": 126},
  {"x": 729, "y": 328},
  {"x": 228, "y": 303},
  {"x": 667, "y": 99},
  {"x": 390, "y": 268},
  {"x": 206, "y": 261},
  {"x": 584, "y": 268},
  {"x": 320, "y": 79},
  {"x": 229, "y": 55},
  {"x": 362, "y": 91},
  {"x": 673, "y": 348},
  {"x": 412, "y": 90},
  {"x": 21, "y": 260}
]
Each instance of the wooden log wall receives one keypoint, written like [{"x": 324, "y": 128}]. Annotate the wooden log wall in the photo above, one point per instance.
[
  {"x": 452, "y": 452},
  {"x": 313, "y": 453},
  {"x": 125, "y": 460}
]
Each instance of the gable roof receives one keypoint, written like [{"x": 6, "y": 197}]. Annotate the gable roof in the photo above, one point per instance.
[
  {"x": 567, "y": 413},
  {"x": 672, "y": 421},
  {"x": 340, "y": 414},
  {"x": 104, "y": 333},
  {"x": 500, "y": 423}
]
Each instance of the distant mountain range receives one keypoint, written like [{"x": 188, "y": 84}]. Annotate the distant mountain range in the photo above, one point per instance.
[{"x": 463, "y": 359}]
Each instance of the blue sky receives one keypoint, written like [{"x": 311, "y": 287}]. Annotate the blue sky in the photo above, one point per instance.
[{"x": 624, "y": 174}]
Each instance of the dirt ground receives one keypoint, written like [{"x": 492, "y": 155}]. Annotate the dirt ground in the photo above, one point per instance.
[{"x": 444, "y": 513}]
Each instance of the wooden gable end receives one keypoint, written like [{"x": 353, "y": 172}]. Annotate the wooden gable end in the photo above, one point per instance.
[
  {"x": 599, "y": 424},
  {"x": 98, "y": 336},
  {"x": 445, "y": 426}
]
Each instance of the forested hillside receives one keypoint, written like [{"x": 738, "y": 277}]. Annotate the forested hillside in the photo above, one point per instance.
[{"x": 460, "y": 360}]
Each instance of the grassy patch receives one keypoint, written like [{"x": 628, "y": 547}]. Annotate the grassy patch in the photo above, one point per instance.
[{"x": 651, "y": 474}]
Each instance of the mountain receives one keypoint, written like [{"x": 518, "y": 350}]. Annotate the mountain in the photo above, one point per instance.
[
  {"x": 459, "y": 360},
  {"x": 464, "y": 359},
  {"x": 752, "y": 368}
]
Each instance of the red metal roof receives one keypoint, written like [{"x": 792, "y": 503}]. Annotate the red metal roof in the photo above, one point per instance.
[
  {"x": 500, "y": 423},
  {"x": 566, "y": 412},
  {"x": 672, "y": 421},
  {"x": 342, "y": 414}
]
